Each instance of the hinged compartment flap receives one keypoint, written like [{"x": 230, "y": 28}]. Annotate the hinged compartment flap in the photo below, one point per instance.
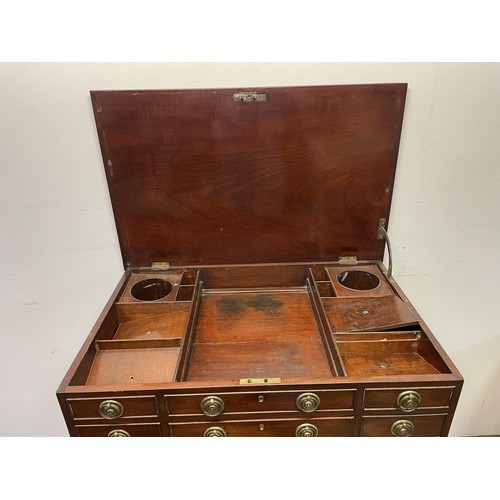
[{"x": 241, "y": 176}]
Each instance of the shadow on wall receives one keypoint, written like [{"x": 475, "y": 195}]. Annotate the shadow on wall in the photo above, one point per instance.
[{"x": 478, "y": 411}]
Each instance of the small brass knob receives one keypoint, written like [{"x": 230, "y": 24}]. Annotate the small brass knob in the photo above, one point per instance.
[
  {"x": 118, "y": 433},
  {"x": 306, "y": 430},
  {"x": 215, "y": 432},
  {"x": 308, "y": 402},
  {"x": 212, "y": 406},
  {"x": 402, "y": 428},
  {"x": 111, "y": 409},
  {"x": 408, "y": 401}
]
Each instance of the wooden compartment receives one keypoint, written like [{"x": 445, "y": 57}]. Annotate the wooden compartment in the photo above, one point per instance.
[
  {"x": 130, "y": 366},
  {"x": 368, "y": 313},
  {"x": 169, "y": 325},
  {"x": 378, "y": 355},
  {"x": 137, "y": 343},
  {"x": 256, "y": 335},
  {"x": 358, "y": 281},
  {"x": 143, "y": 288}
]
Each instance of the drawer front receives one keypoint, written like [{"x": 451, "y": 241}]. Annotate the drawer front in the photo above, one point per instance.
[
  {"x": 265, "y": 401},
  {"x": 322, "y": 427},
  {"x": 113, "y": 408},
  {"x": 407, "y": 399},
  {"x": 418, "y": 426},
  {"x": 127, "y": 430}
]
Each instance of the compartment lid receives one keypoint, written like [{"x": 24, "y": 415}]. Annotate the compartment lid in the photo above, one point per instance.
[{"x": 230, "y": 176}]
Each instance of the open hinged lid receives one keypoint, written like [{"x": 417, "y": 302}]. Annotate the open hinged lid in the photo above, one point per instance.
[{"x": 232, "y": 176}]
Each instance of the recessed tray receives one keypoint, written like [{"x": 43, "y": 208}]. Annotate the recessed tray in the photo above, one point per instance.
[
  {"x": 257, "y": 335},
  {"x": 389, "y": 353},
  {"x": 133, "y": 366}
]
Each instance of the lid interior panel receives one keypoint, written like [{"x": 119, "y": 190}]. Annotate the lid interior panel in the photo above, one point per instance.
[{"x": 197, "y": 178}]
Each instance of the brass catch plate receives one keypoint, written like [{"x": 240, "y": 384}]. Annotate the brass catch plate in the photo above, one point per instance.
[
  {"x": 250, "y": 96},
  {"x": 250, "y": 381}
]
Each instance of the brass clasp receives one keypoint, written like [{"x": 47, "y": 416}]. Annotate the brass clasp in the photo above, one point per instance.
[{"x": 250, "y": 96}]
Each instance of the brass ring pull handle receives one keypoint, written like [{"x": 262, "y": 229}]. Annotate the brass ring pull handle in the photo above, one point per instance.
[
  {"x": 306, "y": 430},
  {"x": 308, "y": 402},
  {"x": 111, "y": 409},
  {"x": 211, "y": 406},
  {"x": 402, "y": 428},
  {"x": 215, "y": 432},
  {"x": 118, "y": 433},
  {"x": 408, "y": 401}
]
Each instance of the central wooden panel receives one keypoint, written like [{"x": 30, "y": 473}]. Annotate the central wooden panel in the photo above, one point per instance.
[{"x": 257, "y": 335}]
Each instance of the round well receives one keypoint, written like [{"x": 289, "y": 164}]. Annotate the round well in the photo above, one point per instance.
[
  {"x": 151, "y": 289},
  {"x": 358, "y": 280}
]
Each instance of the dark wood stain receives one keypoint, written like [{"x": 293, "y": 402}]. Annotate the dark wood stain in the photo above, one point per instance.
[
  {"x": 227, "y": 305},
  {"x": 236, "y": 305},
  {"x": 265, "y": 303}
]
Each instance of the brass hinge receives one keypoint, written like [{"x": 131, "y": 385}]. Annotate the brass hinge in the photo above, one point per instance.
[
  {"x": 272, "y": 380},
  {"x": 348, "y": 259},
  {"x": 381, "y": 227},
  {"x": 159, "y": 266},
  {"x": 250, "y": 96}
]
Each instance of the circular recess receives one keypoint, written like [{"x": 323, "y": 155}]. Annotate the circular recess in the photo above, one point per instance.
[
  {"x": 151, "y": 289},
  {"x": 358, "y": 280}
]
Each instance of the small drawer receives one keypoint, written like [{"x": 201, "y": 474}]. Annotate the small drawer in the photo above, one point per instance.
[
  {"x": 127, "y": 430},
  {"x": 402, "y": 426},
  {"x": 113, "y": 408},
  {"x": 215, "y": 404},
  {"x": 321, "y": 427},
  {"x": 407, "y": 399}
]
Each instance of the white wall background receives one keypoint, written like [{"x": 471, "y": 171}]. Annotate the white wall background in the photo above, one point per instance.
[{"x": 59, "y": 255}]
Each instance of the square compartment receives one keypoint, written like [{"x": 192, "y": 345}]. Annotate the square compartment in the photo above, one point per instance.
[{"x": 381, "y": 354}]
